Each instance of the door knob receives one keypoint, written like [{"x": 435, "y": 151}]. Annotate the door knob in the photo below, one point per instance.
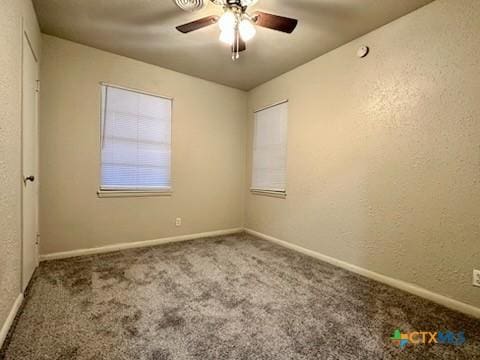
[{"x": 29, "y": 178}]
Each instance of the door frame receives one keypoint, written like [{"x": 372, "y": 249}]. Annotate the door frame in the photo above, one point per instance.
[{"x": 25, "y": 39}]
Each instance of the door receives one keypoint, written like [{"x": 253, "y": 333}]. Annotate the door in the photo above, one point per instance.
[{"x": 29, "y": 163}]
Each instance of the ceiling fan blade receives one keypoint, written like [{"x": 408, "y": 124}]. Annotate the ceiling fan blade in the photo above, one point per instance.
[
  {"x": 242, "y": 45},
  {"x": 198, "y": 24},
  {"x": 275, "y": 22}
]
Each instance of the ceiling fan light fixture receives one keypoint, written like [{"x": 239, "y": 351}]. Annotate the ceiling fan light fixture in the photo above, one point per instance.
[
  {"x": 237, "y": 25},
  {"x": 247, "y": 30},
  {"x": 227, "y": 21}
]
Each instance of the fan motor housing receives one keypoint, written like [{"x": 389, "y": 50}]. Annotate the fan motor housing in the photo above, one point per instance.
[
  {"x": 236, "y": 3},
  {"x": 240, "y": 3}
]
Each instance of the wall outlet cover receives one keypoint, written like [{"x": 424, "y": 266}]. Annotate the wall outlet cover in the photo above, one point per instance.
[
  {"x": 178, "y": 221},
  {"x": 476, "y": 278}
]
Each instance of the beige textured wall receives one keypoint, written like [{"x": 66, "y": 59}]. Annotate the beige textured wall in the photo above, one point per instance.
[
  {"x": 384, "y": 152},
  {"x": 208, "y": 131},
  {"x": 11, "y": 13}
]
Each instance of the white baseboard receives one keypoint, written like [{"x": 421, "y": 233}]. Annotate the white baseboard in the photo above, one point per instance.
[
  {"x": 138, "y": 244},
  {"x": 399, "y": 284},
  {"x": 9, "y": 321}
]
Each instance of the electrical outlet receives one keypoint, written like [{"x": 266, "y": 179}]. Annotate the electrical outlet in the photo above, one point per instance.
[
  {"x": 476, "y": 278},
  {"x": 178, "y": 222}
]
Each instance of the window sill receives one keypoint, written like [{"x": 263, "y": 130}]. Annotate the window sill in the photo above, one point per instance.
[
  {"x": 133, "y": 193},
  {"x": 275, "y": 194}
]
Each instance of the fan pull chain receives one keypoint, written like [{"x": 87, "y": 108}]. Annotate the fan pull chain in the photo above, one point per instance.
[
  {"x": 234, "y": 47},
  {"x": 237, "y": 44}
]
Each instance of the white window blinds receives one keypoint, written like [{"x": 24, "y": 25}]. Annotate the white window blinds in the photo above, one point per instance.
[
  {"x": 135, "y": 140},
  {"x": 270, "y": 149}
]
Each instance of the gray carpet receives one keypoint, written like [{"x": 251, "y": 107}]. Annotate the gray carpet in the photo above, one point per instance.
[{"x": 232, "y": 297}]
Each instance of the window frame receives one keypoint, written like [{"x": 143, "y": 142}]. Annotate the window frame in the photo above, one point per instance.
[
  {"x": 266, "y": 192},
  {"x": 125, "y": 191}
]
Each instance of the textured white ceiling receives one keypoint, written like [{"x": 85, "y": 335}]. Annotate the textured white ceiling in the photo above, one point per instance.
[{"x": 145, "y": 30}]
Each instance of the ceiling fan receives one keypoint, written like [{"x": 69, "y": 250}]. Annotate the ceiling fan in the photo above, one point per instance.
[{"x": 237, "y": 26}]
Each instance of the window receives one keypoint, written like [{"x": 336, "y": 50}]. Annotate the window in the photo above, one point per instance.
[
  {"x": 270, "y": 149},
  {"x": 135, "y": 141}
]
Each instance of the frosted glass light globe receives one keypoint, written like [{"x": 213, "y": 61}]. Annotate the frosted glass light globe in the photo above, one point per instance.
[
  {"x": 247, "y": 30},
  {"x": 227, "y": 36},
  {"x": 228, "y": 21}
]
